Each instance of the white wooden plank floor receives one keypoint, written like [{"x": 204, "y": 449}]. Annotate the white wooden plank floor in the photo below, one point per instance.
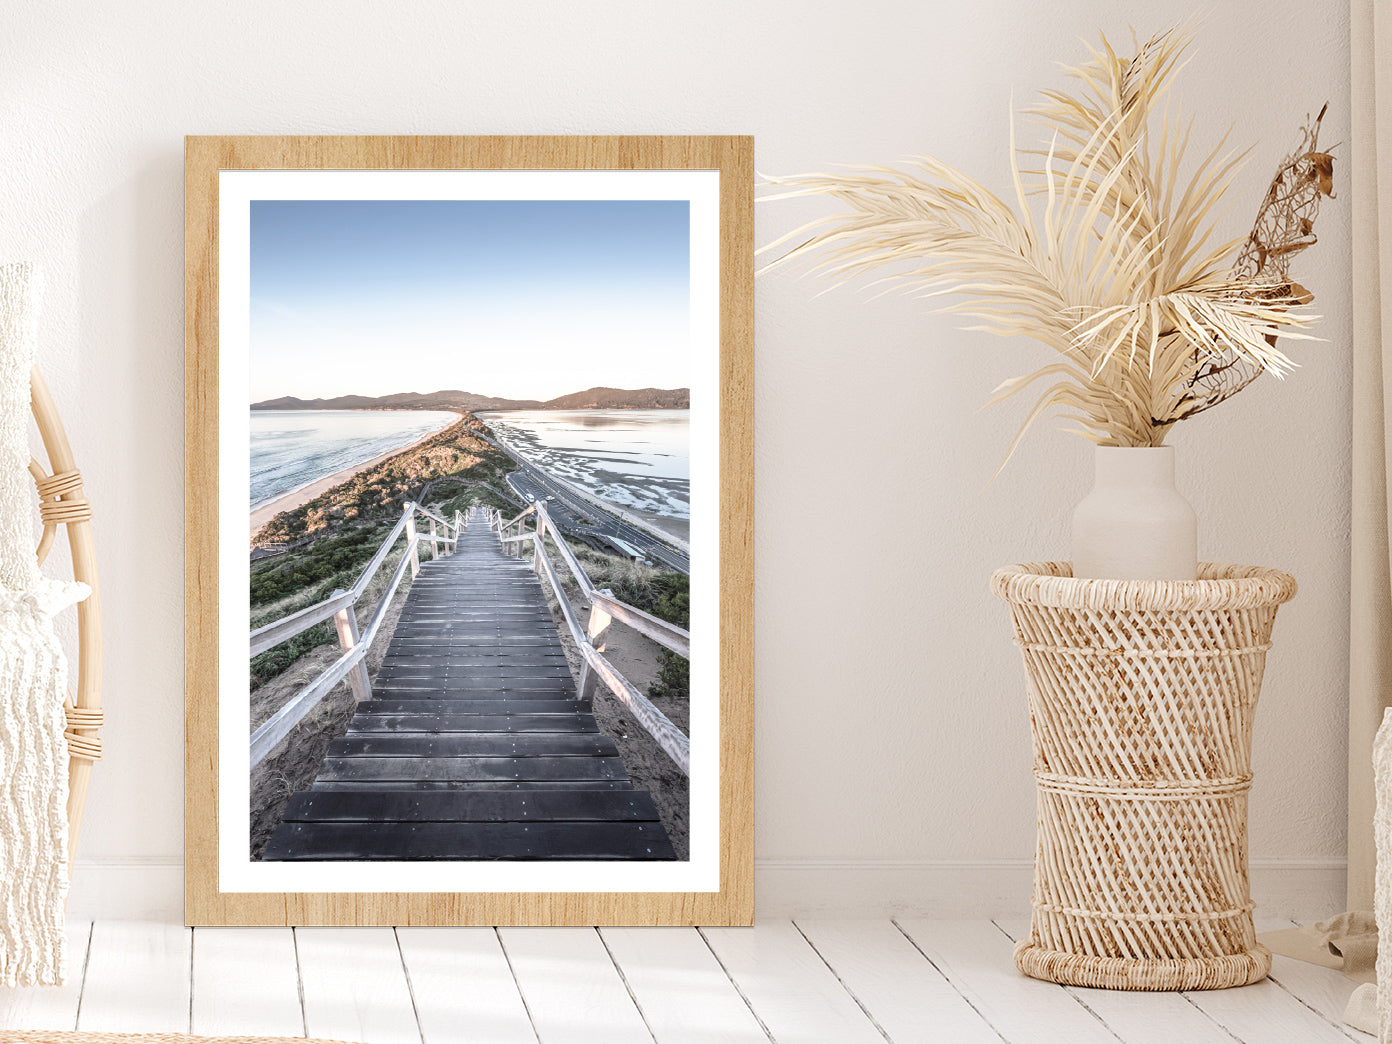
[{"x": 816, "y": 980}]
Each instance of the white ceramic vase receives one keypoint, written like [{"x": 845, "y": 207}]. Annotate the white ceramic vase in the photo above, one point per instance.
[{"x": 1134, "y": 525}]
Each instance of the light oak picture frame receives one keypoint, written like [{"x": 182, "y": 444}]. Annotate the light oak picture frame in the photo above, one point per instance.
[{"x": 725, "y": 895}]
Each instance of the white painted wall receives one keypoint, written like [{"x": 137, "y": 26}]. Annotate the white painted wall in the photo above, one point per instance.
[{"x": 893, "y": 752}]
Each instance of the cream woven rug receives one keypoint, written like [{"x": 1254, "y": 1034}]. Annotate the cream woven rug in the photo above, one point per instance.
[{"x": 61, "y": 1037}]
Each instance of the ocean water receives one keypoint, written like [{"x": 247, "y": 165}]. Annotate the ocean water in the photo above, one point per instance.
[
  {"x": 637, "y": 459},
  {"x": 292, "y": 448}
]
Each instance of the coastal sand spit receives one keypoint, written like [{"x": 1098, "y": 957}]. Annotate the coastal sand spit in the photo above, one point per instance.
[{"x": 292, "y": 500}]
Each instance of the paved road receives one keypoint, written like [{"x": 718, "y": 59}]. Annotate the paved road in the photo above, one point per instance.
[{"x": 582, "y": 518}]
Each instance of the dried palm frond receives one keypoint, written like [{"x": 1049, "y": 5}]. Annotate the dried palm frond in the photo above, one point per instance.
[
  {"x": 1118, "y": 273},
  {"x": 1285, "y": 226}
]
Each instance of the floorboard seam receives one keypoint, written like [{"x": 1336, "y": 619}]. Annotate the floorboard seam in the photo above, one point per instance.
[
  {"x": 517, "y": 984},
  {"x": 949, "y": 980},
  {"x": 849, "y": 992},
  {"x": 1069, "y": 991},
  {"x": 410, "y": 986},
  {"x": 299, "y": 980},
  {"x": 738, "y": 988},
  {"x": 1318, "y": 1014},
  {"x": 86, "y": 962},
  {"x": 624, "y": 979}
]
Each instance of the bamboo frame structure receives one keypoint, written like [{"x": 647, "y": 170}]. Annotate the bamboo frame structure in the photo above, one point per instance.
[{"x": 62, "y": 501}]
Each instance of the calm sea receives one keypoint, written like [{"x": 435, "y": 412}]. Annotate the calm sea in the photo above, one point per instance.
[
  {"x": 292, "y": 448},
  {"x": 637, "y": 459}
]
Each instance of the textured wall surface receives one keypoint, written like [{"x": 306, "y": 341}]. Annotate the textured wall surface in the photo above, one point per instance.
[{"x": 891, "y": 726}]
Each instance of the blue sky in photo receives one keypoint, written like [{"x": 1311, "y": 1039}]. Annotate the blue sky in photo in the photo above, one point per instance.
[{"x": 523, "y": 299}]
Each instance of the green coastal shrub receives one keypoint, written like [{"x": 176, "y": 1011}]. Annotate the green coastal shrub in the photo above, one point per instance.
[
  {"x": 274, "y": 662},
  {"x": 672, "y": 602},
  {"x": 328, "y": 558}
]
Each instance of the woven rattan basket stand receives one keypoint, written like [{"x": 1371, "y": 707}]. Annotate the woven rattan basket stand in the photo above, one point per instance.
[{"x": 1141, "y": 697}]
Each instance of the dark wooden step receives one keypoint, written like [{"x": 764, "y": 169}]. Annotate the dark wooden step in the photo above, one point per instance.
[
  {"x": 501, "y": 672},
  {"x": 464, "y": 657},
  {"x": 472, "y": 769},
  {"x": 528, "y": 703},
  {"x": 372, "y": 724},
  {"x": 503, "y": 666},
  {"x": 451, "y": 636},
  {"x": 479, "y": 806},
  {"x": 473, "y": 745},
  {"x": 464, "y": 746},
  {"x": 462, "y": 689},
  {"x": 420, "y": 841},
  {"x": 519, "y": 642},
  {"x": 463, "y": 786},
  {"x": 483, "y": 614}
]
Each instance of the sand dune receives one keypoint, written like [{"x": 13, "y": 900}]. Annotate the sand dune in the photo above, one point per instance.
[{"x": 263, "y": 514}]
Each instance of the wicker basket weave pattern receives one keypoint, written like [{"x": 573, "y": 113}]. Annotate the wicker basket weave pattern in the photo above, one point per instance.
[{"x": 1141, "y": 698}]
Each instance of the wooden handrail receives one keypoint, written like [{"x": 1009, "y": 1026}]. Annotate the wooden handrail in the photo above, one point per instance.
[
  {"x": 572, "y": 621},
  {"x": 340, "y": 604},
  {"x": 666, "y": 634},
  {"x": 671, "y": 739},
  {"x": 370, "y": 570},
  {"x": 587, "y": 589},
  {"x": 272, "y": 634},
  {"x": 430, "y": 514},
  {"x": 530, "y": 509},
  {"x": 664, "y": 732},
  {"x": 278, "y": 726},
  {"x": 277, "y": 631}
]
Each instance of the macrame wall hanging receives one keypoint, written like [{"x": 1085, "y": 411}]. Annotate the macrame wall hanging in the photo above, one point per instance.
[{"x": 47, "y": 734}]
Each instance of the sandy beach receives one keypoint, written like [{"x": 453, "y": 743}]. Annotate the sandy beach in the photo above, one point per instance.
[{"x": 290, "y": 501}]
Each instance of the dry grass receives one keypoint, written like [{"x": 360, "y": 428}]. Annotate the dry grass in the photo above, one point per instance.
[{"x": 1106, "y": 254}]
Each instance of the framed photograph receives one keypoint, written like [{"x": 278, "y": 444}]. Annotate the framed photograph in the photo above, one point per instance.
[{"x": 487, "y": 402}]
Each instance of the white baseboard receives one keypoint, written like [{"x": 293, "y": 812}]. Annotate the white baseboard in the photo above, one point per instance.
[
  {"x": 794, "y": 888},
  {"x": 127, "y": 890},
  {"x": 1304, "y": 890}
]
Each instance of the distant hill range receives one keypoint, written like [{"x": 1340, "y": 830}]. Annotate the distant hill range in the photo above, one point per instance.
[{"x": 590, "y": 399}]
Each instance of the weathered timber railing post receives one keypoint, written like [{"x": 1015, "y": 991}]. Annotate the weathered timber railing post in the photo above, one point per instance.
[
  {"x": 411, "y": 541},
  {"x": 346, "y": 624},
  {"x": 589, "y": 682},
  {"x": 594, "y": 630},
  {"x": 536, "y": 552},
  {"x": 434, "y": 542},
  {"x": 599, "y": 620}
]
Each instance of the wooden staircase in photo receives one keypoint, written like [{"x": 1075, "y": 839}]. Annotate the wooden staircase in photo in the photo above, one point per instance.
[{"x": 474, "y": 745}]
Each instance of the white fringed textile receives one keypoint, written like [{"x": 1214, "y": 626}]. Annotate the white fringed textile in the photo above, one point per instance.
[
  {"x": 33, "y": 681},
  {"x": 1382, "y": 881}
]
